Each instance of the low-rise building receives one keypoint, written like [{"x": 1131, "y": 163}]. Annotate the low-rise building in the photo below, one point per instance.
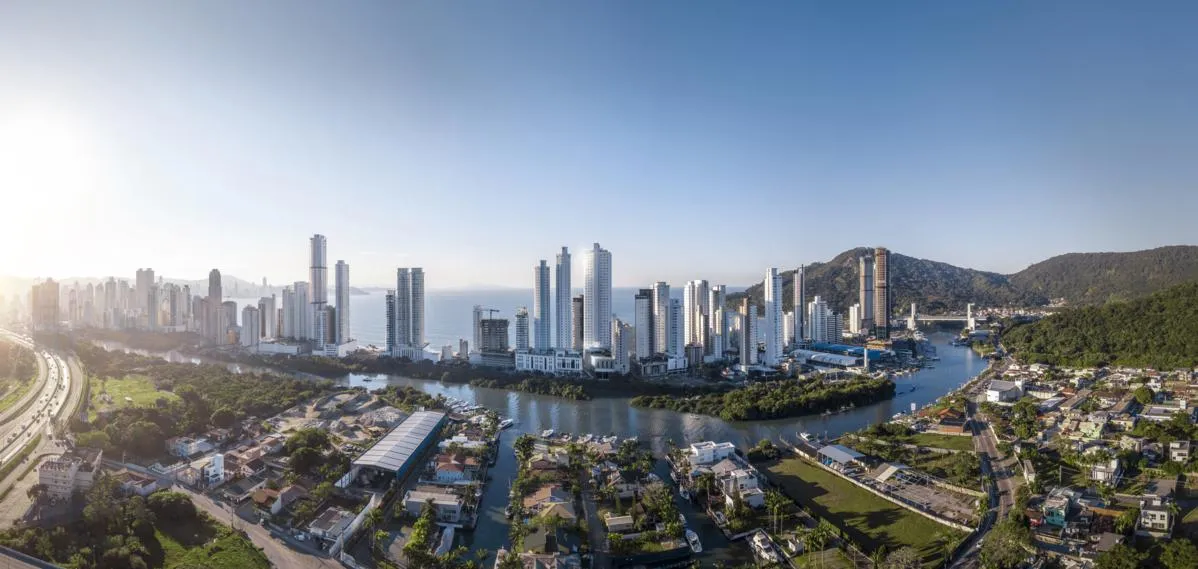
[
  {"x": 1107, "y": 473},
  {"x": 447, "y": 506},
  {"x": 1002, "y": 391},
  {"x": 185, "y": 447},
  {"x": 1156, "y": 518},
  {"x": 74, "y": 470},
  {"x": 552, "y": 362},
  {"x": 134, "y": 483},
  {"x": 1179, "y": 451},
  {"x": 708, "y": 452},
  {"x": 455, "y": 468},
  {"x": 331, "y": 523}
]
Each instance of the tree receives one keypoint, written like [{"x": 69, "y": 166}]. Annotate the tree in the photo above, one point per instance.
[
  {"x": 1127, "y": 520},
  {"x": 523, "y": 447},
  {"x": 903, "y": 558},
  {"x": 1180, "y": 554},
  {"x": 223, "y": 417},
  {"x": 378, "y": 538},
  {"x": 1007, "y": 545},
  {"x": 304, "y": 459},
  {"x": 144, "y": 438},
  {"x": 1120, "y": 557},
  {"x": 36, "y": 491},
  {"x": 1144, "y": 395},
  {"x": 168, "y": 505}
]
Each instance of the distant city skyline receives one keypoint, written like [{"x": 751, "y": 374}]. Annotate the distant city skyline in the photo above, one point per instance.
[{"x": 475, "y": 140}]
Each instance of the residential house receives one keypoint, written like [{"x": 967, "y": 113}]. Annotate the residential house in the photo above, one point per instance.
[
  {"x": 1056, "y": 509},
  {"x": 544, "y": 549},
  {"x": 331, "y": 523},
  {"x": 134, "y": 483},
  {"x": 212, "y": 470},
  {"x": 264, "y": 499},
  {"x": 243, "y": 489},
  {"x": 752, "y": 497},
  {"x": 1156, "y": 518},
  {"x": 618, "y": 524},
  {"x": 621, "y": 485},
  {"x": 708, "y": 452},
  {"x": 287, "y": 496},
  {"x": 273, "y": 443},
  {"x": 1131, "y": 443},
  {"x": 74, "y": 470},
  {"x": 1002, "y": 391},
  {"x": 1165, "y": 411},
  {"x": 446, "y": 505},
  {"x": 1179, "y": 451},
  {"x": 1124, "y": 422},
  {"x": 254, "y": 467},
  {"x": 455, "y": 468},
  {"x": 545, "y": 496},
  {"x": 462, "y": 441},
  {"x": 186, "y": 446},
  {"x": 1107, "y": 473}
]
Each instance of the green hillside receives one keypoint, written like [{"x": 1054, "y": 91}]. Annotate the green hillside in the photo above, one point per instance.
[{"x": 1097, "y": 278}]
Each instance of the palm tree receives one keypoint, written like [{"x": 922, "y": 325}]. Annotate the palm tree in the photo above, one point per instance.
[
  {"x": 378, "y": 538},
  {"x": 373, "y": 520},
  {"x": 878, "y": 556},
  {"x": 36, "y": 491},
  {"x": 776, "y": 504}
]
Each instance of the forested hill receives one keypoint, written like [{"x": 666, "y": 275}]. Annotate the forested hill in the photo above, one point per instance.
[
  {"x": 1159, "y": 331},
  {"x": 934, "y": 286},
  {"x": 1097, "y": 278},
  {"x": 1080, "y": 278}
]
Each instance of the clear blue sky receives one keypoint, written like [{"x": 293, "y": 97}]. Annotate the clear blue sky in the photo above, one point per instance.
[{"x": 692, "y": 139}]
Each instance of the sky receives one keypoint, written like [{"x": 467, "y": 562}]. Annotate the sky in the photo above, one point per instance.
[{"x": 691, "y": 139}]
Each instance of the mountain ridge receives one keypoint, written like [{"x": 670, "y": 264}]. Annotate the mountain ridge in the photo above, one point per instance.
[{"x": 1081, "y": 279}]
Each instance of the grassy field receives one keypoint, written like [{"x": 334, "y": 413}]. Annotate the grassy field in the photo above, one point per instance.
[
  {"x": 950, "y": 442},
  {"x": 14, "y": 390},
  {"x": 1189, "y": 524},
  {"x": 209, "y": 545},
  {"x": 139, "y": 388},
  {"x": 868, "y": 520}
]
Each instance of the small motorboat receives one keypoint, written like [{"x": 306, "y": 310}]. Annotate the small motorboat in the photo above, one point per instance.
[{"x": 692, "y": 538}]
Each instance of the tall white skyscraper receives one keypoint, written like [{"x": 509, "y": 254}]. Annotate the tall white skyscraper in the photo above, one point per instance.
[
  {"x": 562, "y": 293},
  {"x": 661, "y": 318},
  {"x": 855, "y": 318},
  {"x": 341, "y": 276},
  {"x": 799, "y": 290},
  {"x": 287, "y": 300},
  {"x": 522, "y": 328},
  {"x": 818, "y": 316},
  {"x": 303, "y": 311},
  {"x": 643, "y": 320},
  {"x": 597, "y": 299},
  {"x": 696, "y": 302},
  {"x": 788, "y": 328},
  {"x": 621, "y": 338},
  {"x": 251, "y": 326},
  {"x": 318, "y": 278},
  {"x": 773, "y": 317},
  {"x": 719, "y": 327},
  {"x": 418, "y": 307},
  {"x": 676, "y": 340},
  {"x": 540, "y": 307}
]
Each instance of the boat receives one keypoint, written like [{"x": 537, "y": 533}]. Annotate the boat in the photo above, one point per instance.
[
  {"x": 547, "y": 433},
  {"x": 506, "y": 423},
  {"x": 693, "y": 539},
  {"x": 367, "y": 379}
]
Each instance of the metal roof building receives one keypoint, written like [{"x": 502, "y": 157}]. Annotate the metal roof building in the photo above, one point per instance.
[{"x": 395, "y": 451}]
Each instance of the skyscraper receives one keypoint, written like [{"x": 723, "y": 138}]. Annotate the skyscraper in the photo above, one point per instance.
[
  {"x": 418, "y": 307},
  {"x": 865, "y": 295},
  {"x": 389, "y": 300},
  {"x": 821, "y": 326},
  {"x": 302, "y": 310},
  {"x": 882, "y": 309},
  {"x": 677, "y": 343},
  {"x": 342, "y": 280},
  {"x": 748, "y": 332},
  {"x": 855, "y": 319},
  {"x": 214, "y": 286},
  {"x": 799, "y": 290},
  {"x": 212, "y": 316},
  {"x": 478, "y": 330},
  {"x": 643, "y": 320},
  {"x": 773, "y": 317},
  {"x": 142, "y": 284},
  {"x": 403, "y": 307},
  {"x": 409, "y": 307},
  {"x": 318, "y": 289},
  {"x": 44, "y": 300},
  {"x": 540, "y": 307},
  {"x": 621, "y": 337},
  {"x": 596, "y": 330},
  {"x": 695, "y": 302},
  {"x": 522, "y": 328},
  {"x": 715, "y": 306},
  {"x": 563, "y": 295},
  {"x": 268, "y": 312},
  {"x": 661, "y": 318},
  {"x": 251, "y": 326},
  {"x": 494, "y": 335},
  {"x": 577, "y": 308}
]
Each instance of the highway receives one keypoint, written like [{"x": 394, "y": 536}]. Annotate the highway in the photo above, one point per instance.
[{"x": 50, "y": 396}]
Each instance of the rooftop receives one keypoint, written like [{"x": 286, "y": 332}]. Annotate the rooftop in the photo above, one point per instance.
[
  {"x": 333, "y": 522},
  {"x": 841, "y": 453},
  {"x": 396, "y": 447}
]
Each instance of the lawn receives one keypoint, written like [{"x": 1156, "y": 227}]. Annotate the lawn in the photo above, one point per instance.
[
  {"x": 868, "y": 520},
  {"x": 139, "y": 388},
  {"x": 14, "y": 390},
  {"x": 1189, "y": 524},
  {"x": 934, "y": 440},
  {"x": 209, "y": 545}
]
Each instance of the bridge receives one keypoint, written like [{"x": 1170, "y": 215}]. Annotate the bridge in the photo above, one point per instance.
[{"x": 915, "y": 318}]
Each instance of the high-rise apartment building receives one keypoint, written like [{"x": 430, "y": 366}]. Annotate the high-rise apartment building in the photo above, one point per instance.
[
  {"x": 825, "y": 326},
  {"x": 318, "y": 289},
  {"x": 251, "y": 326},
  {"x": 563, "y": 292},
  {"x": 303, "y": 310},
  {"x": 494, "y": 335},
  {"x": 389, "y": 302},
  {"x": 855, "y": 319},
  {"x": 718, "y": 296},
  {"x": 478, "y": 330},
  {"x": 773, "y": 317},
  {"x": 865, "y": 295},
  {"x": 643, "y": 320},
  {"x": 44, "y": 300},
  {"x": 748, "y": 332},
  {"x": 409, "y": 307},
  {"x": 661, "y": 318},
  {"x": 677, "y": 343},
  {"x": 540, "y": 307},
  {"x": 882, "y": 309},
  {"x": 342, "y": 281},
  {"x": 268, "y": 313},
  {"x": 696, "y": 302},
  {"x": 621, "y": 340},
  {"x": 577, "y": 310},
  {"x": 214, "y": 331},
  {"x": 522, "y": 328},
  {"x": 799, "y": 291},
  {"x": 142, "y": 284},
  {"x": 214, "y": 286},
  {"x": 596, "y": 330},
  {"x": 788, "y": 328}
]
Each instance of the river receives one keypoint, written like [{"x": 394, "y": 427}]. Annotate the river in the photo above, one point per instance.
[{"x": 535, "y": 413}]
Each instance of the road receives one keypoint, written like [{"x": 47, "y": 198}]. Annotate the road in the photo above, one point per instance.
[
  {"x": 55, "y": 380},
  {"x": 598, "y": 537}
]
